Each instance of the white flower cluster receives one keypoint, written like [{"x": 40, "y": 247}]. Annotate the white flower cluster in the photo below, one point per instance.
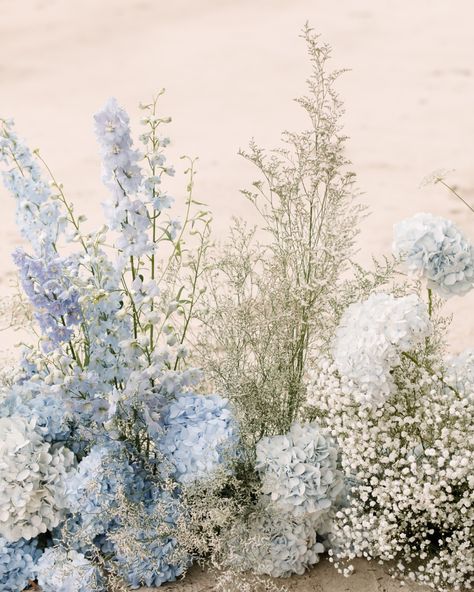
[
  {"x": 299, "y": 470},
  {"x": 434, "y": 248},
  {"x": 370, "y": 338},
  {"x": 409, "y": 467},
  {"x": 32, "y": 480}
]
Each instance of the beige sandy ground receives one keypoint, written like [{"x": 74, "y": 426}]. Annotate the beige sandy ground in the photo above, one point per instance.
[{"x": 231, "y": 68}]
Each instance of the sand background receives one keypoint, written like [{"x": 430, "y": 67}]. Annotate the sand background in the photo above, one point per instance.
[{"x": 231, "y": 69}]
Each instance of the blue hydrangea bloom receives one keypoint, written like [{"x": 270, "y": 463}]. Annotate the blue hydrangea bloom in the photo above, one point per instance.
[
  {"x": 54, "y": 299},
  {"x": 159, "y": 562},
  {"x": 199, "y": 434},
  {"x": 299, "y": 470},
  {"x": 92, "y": 489},
  {"x": 61, "y": 570},
  {"x": 434, "y": 248},
  {"x": 17, "y": 564}
]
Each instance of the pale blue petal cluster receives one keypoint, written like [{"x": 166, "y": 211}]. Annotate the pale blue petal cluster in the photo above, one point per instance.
[
  {"x": 156, "y": 565},
  {"x": 34, "y": 399},
  {"x": 299, "y": 471},
  {"x": 126, "y": 212},
  {"x": 200, "y": 435},
  {"x": 54, "y": 299},
  {"x": 38, "y": 216},
  {"x": 370, "y": 338},
  {"x": 17, "y": 563},
  {"x": 279, "y": 545},
  {"x": 61, "y": 570},
  {"x": 33, "y": 473},
  {"x": 434, "y": 248},
  {"x": 93, "y": 488}
]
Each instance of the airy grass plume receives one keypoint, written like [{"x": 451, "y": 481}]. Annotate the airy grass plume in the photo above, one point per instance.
[{"x": 269, "y": 301}]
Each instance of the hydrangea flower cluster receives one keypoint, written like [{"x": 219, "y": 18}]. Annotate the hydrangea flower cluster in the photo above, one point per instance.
[
  {"x": 434, "y": 248},
  {"x": 370, "y": 339},
  {"x": 148, "y": 554},
  {"x": 93, "y": 488},
  {"x": 276, "y": 544},
  {"x": 17, "y": 563},
  {"x": 32, "y": 480},
  {"x": 199, "y": 435},
  {"x": 31, "y": 398},
  {"x": 299, "y": 471},
  {"x": 61, "y": 570}
]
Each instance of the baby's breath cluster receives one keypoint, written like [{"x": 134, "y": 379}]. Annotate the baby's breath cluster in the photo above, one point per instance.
[{"x": 406, "y": 463}]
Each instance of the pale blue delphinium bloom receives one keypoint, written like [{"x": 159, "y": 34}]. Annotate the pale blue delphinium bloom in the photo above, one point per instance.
[
  {"x": 370, "y": 338},
  {"x": 38, "y": 215},
  {"x": 17, "y": 564},
  {"x": 434, "y": 248},
  {"x": 61, "y": 570},
  {"x": 299, "y": 471},
  {"x": 54, "y": 299},
  {"x": 200, "y": 435},
  {"x": 125, "y": 212}
]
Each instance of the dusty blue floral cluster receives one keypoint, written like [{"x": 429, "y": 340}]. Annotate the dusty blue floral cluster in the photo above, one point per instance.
[
  {"x": 198, "y": 434},
  {"x": 99, "y": 424},
  {"x": 17, "y": 564},
  {"x": 435, "y": 249}
]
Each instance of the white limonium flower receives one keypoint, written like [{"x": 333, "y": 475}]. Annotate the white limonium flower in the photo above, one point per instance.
[
  {"x": 298, "y": 470},
  {"x": 32, "y": 480},
  {"x": 434, "y": 248},
  {"x": 370, "y": 338}
]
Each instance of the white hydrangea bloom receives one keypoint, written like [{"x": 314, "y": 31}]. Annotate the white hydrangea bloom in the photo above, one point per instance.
[
  {"x": 277, "y": 545},
  {"x": 434, "y": 248},
  {"x": 371, "y": 336},
  {"x": 32, "y": 480},
  {"x": 299, "y": 471}
]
